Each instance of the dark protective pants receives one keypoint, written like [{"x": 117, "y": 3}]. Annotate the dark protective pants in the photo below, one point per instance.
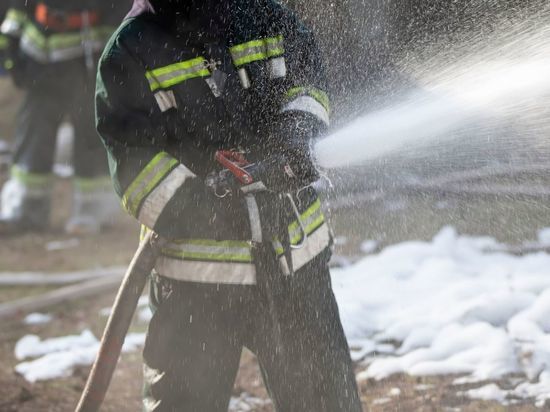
[
  {"x": 66, "y": 93},
  {"x": 198, "y": 331}
]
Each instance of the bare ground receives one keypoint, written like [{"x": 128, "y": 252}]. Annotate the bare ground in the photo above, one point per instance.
[{"x": 115, "y": 247}]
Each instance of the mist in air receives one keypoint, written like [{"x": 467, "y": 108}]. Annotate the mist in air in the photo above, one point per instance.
[{"x": 472, "y": 86}]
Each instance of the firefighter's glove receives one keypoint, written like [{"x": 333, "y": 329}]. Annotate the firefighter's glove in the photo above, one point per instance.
[{"x": 275, "y": 174}]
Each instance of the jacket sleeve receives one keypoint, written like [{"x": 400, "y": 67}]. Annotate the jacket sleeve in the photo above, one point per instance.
[
  {"x": 305, "y": 89},
  {"x": 154, "y": 186},
  {"x": 303, "y": 107},
  {"x": 16, "y": 17}
]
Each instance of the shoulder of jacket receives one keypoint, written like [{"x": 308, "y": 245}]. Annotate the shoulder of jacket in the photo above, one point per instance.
[
  {"x": 134, "y": 36},
  {"x": 289, "y": 22}
]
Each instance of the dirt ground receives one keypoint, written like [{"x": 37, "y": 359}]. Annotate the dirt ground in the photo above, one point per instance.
[{"x": 115, "y": 247}]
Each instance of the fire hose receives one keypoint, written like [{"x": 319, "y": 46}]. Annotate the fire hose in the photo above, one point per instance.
[{"x": 118, "y": 324}]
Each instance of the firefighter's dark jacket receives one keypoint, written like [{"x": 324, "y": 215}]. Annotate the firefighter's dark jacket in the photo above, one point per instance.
[{"x": 170, "y": 92}]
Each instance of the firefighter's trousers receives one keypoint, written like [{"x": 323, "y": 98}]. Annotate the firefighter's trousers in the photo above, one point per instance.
[
  {"x": 197, "y": 334},
  {"x": 47, "y": 103}
]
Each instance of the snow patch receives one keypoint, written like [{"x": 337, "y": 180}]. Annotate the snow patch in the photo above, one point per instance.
[
  {"x": 246, "y": 402},
  {"x": 369, "y": 246},
  {"x": 394, "y": 392},
  {"x": 37, "y": 319},
  {"x": 489, "y": 392},
  {"x": 451, "y": 306},
  {"x": 381, "y": 401},
  {"x": 58, "y": 357}
]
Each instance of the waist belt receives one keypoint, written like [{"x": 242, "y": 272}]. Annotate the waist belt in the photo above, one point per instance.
[{"x": 60, "y": 20}]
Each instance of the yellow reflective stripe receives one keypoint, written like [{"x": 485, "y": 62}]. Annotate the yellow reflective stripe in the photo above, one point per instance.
[
  {"x": 312, "y": 218},
  {"x": 143, "y": 231},
  {"x": 209, "y": 272},
  {"x": 310, "y": 228},
  {"x": 156, "y": 170},
  {"x": 150, "y": 179},
  {"x": 275, "y": 46},
  {"x": 215, "y": 257},
  {"x": 31, "y": 179},
  {"x": 245, "y": 46},
  {"x": 177, "y": 66},
  {"x": 167, "y": 76},
  {"x": 215, "y": 243},
  {"x": 250, "y": 59},
  {"x": 257, "y": 50},
  {"x": 319, "y": 95},
  {"x": 210, "y": 250},
  {"x": 65, "y": 40},
  {"x": 16, "y": 15},
  {"x": 305, "y": 215},
  {"x": 92, "y": 184}
]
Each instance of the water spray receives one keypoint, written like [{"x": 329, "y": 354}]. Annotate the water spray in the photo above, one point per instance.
[{"x": 503, "y": 79}]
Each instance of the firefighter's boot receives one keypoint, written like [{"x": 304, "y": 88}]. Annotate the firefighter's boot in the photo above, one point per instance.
[
  {"x": 95, "y": 207},
  {"x": 23, "y": 209}
]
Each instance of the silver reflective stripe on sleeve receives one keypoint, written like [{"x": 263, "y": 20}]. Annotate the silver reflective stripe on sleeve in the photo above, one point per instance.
[
  {"x": 147, "y": 180},
  {"x": 245, "y": 80},
  {"x": 309, "y": 105},
  {"x": 155, "y": 202},
  {"x": 207, "y": 272},
  {"x": 166, "y": 100},
  {"x": 213, "y": 86},
  {"x": 315, "y": 244},
  {"x": 254, "y": 217},
  {"x": 176, "y": 73},
  {"x": 277, "y": 68}
]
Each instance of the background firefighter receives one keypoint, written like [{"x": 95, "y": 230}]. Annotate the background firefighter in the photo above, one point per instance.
[
  {"x": 179, "y": 81},
  {"x": 53, "y": 48}
]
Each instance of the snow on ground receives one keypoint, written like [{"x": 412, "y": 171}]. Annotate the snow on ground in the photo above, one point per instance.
[
  {"x": 245, "y": 402},
  {"x": 58, "y": 357},
  {"x": 490, "y": 392},
  {"x": 447, "y": 306},
  {"x": 37, "y": 319}
]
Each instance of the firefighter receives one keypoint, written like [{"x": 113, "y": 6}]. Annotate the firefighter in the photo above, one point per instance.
[
  {"x": 53, "y": 49},
  {"x": 207, "y": 110}
]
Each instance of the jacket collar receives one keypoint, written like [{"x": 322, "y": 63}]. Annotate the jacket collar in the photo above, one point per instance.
[{"x": 140, "y": 7}]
